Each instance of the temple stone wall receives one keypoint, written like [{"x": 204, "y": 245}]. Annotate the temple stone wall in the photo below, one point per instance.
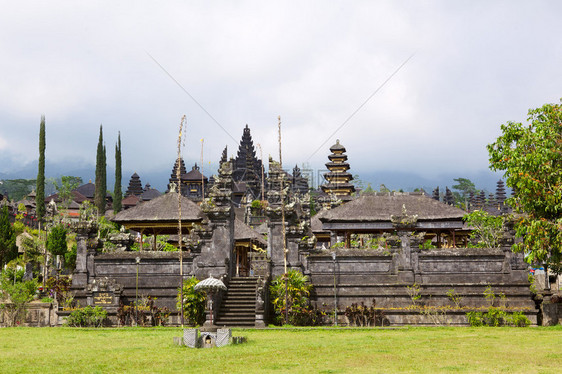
[
  {"x": 367, "y": 275},
  {"x": 359, "y": 275},
  {"x": 112, "y": 280}
]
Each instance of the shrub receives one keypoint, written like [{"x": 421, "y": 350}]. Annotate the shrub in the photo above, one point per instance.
[
  {"x": 518, "y": 319},
  {"x": 87, "y": 317},
  {"x": 193, "y": 302},
  {"x": 299, "y": 310},
  {"x": 143, "y": 313},
  {"x": 414, "y": 291},
  {"x": 428, "y": 245},
  {"x": 362, "y": 315},
  {"x": 475, "y": 319},
  {"x": 454, "y": 297},
  {"x": 58, "y": 288},
  {"x": 497, "y": 317}
]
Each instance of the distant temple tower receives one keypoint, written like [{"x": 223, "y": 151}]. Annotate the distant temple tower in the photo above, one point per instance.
[
  {"x": 338, "y": 178},
  {"x": 193, "y": 183},
  {"x": 135, "y": 186},
  {"x": 174, "y": 176},
  {"x": 299, "y": 183},
  {"x": 247, "y": 174}
]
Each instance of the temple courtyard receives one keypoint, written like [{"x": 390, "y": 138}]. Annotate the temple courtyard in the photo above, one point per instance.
[{"x": 287, "y": 350}]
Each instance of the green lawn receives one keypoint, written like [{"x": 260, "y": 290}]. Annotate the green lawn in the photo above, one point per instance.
[{"x": 447, "y": 349}]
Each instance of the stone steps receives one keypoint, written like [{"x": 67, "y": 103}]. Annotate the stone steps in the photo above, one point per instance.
[{"x": 238, "y": 307}]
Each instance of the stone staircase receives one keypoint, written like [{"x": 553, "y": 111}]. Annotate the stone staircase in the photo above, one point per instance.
[{"x": 238, "y": 307}]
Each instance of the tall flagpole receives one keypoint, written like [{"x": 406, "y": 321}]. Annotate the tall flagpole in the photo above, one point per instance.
[
  {"x": 178, "y": 176},
  {"x": 285, "y": 250},
  {"x": 202, "y": 179}
]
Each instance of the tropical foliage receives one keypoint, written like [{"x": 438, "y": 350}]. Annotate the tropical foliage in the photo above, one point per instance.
[
  {"x": 297, "y": 303},
  {"x": 87, "y": 317},
  {"x": 531, "y": 158},
  {"x": 193, "y": 302},
  {"x": 487, "y": 228},
  {"x": 15, "y": 296}
]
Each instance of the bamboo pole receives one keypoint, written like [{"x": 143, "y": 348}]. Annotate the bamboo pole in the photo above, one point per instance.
[
  {"x": 178, "y": 176},
  {"x": 285, "y": 250},
  {"x": 202, "y": 179}
]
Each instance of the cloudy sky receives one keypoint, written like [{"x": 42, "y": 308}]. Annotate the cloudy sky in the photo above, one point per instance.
[{"x": 475, "y": 65}]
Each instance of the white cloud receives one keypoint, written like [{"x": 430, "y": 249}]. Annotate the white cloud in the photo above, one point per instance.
[{"x": 476, "y": 66}]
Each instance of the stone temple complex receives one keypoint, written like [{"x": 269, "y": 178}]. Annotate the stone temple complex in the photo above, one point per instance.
[
  {"x": 396, "y": 251},
  {"x": 371, "y": 248}
]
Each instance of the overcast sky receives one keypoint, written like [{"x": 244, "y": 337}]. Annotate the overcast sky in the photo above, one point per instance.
[{"x": 475, "y": 65}]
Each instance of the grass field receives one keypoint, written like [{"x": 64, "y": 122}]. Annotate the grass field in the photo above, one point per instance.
[{"x": 150, "y": 350}]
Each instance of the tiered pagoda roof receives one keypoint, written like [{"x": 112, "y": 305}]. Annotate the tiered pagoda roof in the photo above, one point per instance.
[
  {"x": 338, "y": 176},
  {"x": 247, "y": 167},
  {"x": 174, "y": 175},
  {"x": 135, "y": 186}
]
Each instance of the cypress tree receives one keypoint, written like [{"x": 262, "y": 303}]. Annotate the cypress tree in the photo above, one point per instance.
[
  {"x": 117, "y": 193},
  {"x": 104, "y": 176},
  {"x": 40, "y": 187},
  {"x": 99, "y": 195},
  {"x": 8, "y": 248}
]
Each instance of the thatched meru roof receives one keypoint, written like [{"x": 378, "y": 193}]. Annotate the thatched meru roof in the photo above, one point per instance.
[
  {"x": 380, "y": 207},
  {"x": 244, "y": 232},
  {"x": 316, "y": 224},
  {"x": 164, "y": 208}
]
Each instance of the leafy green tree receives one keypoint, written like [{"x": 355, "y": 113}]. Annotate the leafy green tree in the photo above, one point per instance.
[
  {"x": 17, "y": 296},
  {"x": 464, "y": 188},
  {"x": 487, "y": 229},
  {"x": 531, "y": 158},
  {"x": 368, "y": 190},
  {"x": 8, "y": 248},
  {"x": 40, "y": 190},
  {"x": 56, "y": 240},
  {"x": 67, "y": 185},
  {"x": 117, "y": 193},
  {"x": 101, "y": 188}
]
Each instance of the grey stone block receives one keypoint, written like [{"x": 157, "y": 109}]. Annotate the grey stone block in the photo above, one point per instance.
[
  {"x": 191, "y": 338},
  {"x": 224, "y": 337}
]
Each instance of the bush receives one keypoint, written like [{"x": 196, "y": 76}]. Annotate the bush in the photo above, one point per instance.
[
  {"x": 518, "y": 319},
  {"x": 144, "y": 313},
  {"x": 87, "y": 317},
  {"x": 300, "y": 312},
  {"x": 362, "y": 315},
  {"x": 497, "y": 317},
  {"x": 475, "y": 319},
  {"x": 58, "y": 288},
  {"x": 193, "y": 302}
]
